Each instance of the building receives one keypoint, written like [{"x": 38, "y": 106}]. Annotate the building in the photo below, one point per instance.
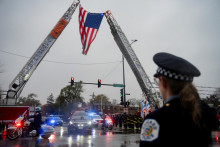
[{"x": 108, "y": 108}]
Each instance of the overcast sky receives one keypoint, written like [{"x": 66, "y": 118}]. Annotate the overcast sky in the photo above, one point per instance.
[{"x": 186, "y": 28}]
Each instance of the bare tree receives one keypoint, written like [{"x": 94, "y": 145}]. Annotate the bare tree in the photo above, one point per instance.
[
  {"x": 218, "y": 93},
  {"x": 50, "y": 99},
  {"x": 99, "y": 98},
  {"x": 133, "y": 101}
]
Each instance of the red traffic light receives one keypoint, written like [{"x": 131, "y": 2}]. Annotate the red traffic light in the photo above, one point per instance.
[
  {"x": 99, "y": 83},
  {"x": 72, "y": 81}
]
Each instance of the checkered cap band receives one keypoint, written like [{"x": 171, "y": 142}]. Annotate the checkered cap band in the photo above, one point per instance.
[{"x": 174, "y": 75}]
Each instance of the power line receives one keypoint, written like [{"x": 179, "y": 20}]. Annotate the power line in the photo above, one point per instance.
[
  {"x": 209, "y": 91},
  {"x": 105, "y": 77},
  {"x": 207, "y": 87},
  {"x": 197, "y": 87},
  {"x": 206, "y": 94},
  {"x": 111, "y": 71},
  {"x": 59, "y": 62}
]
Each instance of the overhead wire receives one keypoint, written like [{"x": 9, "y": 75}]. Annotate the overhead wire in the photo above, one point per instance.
[
  {"x": 115, "y": 67},
  {"x": 59, "y": 62}
]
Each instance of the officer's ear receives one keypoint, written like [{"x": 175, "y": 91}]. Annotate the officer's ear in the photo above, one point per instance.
[{"x": 163, "y": 82}]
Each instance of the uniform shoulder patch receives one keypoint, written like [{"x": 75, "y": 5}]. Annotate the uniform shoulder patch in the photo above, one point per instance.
[{"x": 150, "y": 130}]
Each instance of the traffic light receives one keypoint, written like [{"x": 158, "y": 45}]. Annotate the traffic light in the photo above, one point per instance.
[
  {"x": 121, "y": 95},
  {"x": 127, "y": 103},
  {"x": 99, "y": 83},
  {"x": 72, "y": 81}
]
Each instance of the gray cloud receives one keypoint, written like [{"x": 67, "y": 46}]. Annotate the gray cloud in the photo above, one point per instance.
[{"x": 187, "y": 28}]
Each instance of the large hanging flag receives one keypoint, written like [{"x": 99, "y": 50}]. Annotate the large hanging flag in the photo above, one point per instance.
[
  {"x": 89, "y": 24},
  {"x": 148, "y": 108},
  {"x": 145, "y": 109}
]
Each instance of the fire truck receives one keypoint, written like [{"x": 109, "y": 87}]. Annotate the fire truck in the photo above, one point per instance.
[
  {"x": 8, "y": 114},
  {"x": 17, "y": 85}
]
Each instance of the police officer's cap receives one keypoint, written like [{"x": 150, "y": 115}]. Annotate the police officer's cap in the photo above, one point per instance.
[{"x": 174, "y": 67}]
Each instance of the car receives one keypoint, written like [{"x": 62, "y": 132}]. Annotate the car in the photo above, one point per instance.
[
  {"x": 97, "y": 121},
  {"x": 80, "y": 122},
  {"x": 44, "y": 118},
  {"x": 54, "y": 121}
]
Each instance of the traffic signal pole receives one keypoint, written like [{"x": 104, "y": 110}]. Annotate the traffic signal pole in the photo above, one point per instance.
[
  {"x": 113, "y": 85},
  {"x": 124, "y": 81}
]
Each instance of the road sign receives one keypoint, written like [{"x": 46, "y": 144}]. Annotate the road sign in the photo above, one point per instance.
[
  {"x": 118, "y": 85},
  {"x": 125, "y": 110}
]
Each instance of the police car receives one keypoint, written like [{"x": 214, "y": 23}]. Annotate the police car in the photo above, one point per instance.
[{"x": 80, "y": 122}]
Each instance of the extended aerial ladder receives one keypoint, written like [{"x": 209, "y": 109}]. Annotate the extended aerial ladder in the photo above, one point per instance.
[
  {"x": 17, "y": 85},
  {"x": 133, "y": 61}
]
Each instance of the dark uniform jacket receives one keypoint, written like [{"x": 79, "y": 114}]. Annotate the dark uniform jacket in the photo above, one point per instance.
[
  {"x": 37, "y": 120},
  {"x": 171, "y": 125}
]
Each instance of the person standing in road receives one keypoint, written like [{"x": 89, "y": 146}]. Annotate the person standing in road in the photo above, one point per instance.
[
  {"x": 37, "y": 120},
  {"x": 120, "y": 120},
  {"x": 184, "y": 120}
]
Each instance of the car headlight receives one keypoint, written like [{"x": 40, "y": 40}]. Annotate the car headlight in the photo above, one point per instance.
[
  {"x": 52, "y": 121},
  {"x": 71, "y": 122},
  {"x": 89, "y": 122}
]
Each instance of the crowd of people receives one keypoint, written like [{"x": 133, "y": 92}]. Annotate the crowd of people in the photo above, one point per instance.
[{"x": 128, "y": 121}]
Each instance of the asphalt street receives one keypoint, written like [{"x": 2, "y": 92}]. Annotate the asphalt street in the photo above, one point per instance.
[{"x": 117, "y": 137}]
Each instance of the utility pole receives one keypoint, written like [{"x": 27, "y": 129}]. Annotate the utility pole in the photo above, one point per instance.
[
  {"x": 93, "y": 96},
  {"x": 123, "y": 66},
  {"x": 101, "y": 106}
]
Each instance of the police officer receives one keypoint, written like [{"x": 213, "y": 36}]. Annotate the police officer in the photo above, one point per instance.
[
  {"x": 183, "y": 120},
  {"x": 125, "y": 121},
  {"x": 38, "y": 120}
]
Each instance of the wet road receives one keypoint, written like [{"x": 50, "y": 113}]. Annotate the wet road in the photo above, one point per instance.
[{"x": 98, "y": 138}]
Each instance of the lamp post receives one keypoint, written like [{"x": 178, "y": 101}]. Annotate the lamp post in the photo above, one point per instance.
[{"x": 123, "y": 66}]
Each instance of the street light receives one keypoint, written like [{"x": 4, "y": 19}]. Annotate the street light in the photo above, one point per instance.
[{"x": 132, "y": 41}]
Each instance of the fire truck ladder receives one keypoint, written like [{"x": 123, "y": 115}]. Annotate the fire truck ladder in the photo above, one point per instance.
[
  {"x": 17, "y": 85},
  {"x": 133, "y": 61}
]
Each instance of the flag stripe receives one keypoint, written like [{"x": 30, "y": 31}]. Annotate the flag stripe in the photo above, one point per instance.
[
  {"x": 88, "y": 34},
  {"x": 90, "y": 40}
]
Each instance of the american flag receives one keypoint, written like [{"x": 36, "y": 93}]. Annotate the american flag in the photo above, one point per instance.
[
  {"x": 145, "y": 109},
  {"x": 143, "y": 106},
  {"x": 89, "y": 24}
]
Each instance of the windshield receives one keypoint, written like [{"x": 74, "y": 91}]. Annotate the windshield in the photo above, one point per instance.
[
  {"x": 80, "y": 117},
  {"x": 96, "y": 117},
  {"x": 80, "y": 113},
  {"x": 56, "y": 118}
]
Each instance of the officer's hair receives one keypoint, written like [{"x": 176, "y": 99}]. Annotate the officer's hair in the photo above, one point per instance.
[{"x": 189, "y": 97}]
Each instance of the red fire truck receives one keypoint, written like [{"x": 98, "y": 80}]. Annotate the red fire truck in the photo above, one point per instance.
[{"x": 8, "y": 114}]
